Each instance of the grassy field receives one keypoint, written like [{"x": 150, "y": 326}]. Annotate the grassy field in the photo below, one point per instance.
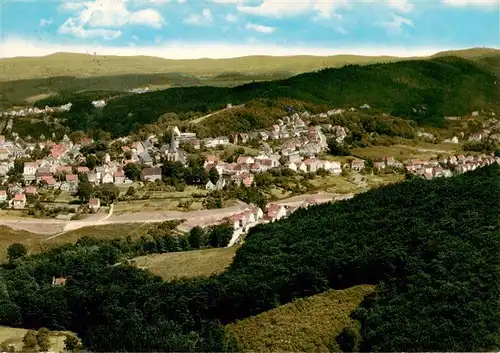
[
  {"x": 108, "y": 231},
  {"x": 156, "y": 205},
  {"x": 305, "y": 325},
  {"x": 35, "y": 243},
  {"x": 187, "y": 264},
  {"x": 9, "y": 236},
  {"x": 14, "y": 336},
  {"x": 403, "y": 152}
]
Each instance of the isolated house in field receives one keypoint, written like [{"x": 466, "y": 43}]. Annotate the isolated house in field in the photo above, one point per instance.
[{"x": 59, "y": 281}]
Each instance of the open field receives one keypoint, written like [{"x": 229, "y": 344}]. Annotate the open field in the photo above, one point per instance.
[
  {"x": 155, "y": 205},
  {"x": 188, "y": 263},
  {"x": 305, "y": 325},
  {"x": 9, "y": 236},
  {"x": 423, "y": 150},
  {"x": 107, "y": 231},
  {"x": 14, "y": 336}
]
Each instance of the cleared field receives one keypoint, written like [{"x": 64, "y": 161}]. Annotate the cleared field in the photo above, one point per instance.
[
  {"x": 14, "y": 336},
  {"x": 336, "y": 184},
  {"x": 406, "y": 152},
  {"x": 195, "y": 263},
  {"x": 306, "y": 325},
  {"x": 156, "y": 205},
  {"x": 108, "y": 231},
  {"x": 9, "y": 236}
]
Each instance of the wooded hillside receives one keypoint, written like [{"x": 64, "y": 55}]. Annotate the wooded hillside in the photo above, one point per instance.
[
  {"x": 421, "y": 90},
  {"x": 432, "y": 248}
]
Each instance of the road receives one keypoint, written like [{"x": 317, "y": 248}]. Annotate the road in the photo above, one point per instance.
[
  {"x": 201, "y": 118},
  {"x": 54, "y": 228}
]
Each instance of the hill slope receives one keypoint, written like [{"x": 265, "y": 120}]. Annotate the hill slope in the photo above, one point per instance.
[
  {"x": 305, "y": 325},
  {"x": 433, "y": 247},
  {"x": 422, "y": 90}
]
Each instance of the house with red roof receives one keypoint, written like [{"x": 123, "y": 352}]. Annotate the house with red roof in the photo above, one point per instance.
[{"x": 19, "y": 201}]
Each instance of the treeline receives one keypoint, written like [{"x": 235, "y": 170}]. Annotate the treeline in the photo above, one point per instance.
[
  {"x": 431, "y": 247},
  {"x": 67, "y": 87},
  {"x": 420, "y": 90}
]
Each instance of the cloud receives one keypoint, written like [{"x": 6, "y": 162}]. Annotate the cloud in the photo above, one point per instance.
[
  {"x": 231, "y": 18},
  {"x": 188, "y": 50},
  {"x": 76, "y": 30},
  {"x": 324, "y": 9},
  {"x": 260, "y": 28},
  {"x": 401, "y": 5},
  {"x": 477, "y": 3},
  {"x": 95, "y": 18},
  {"x": 228, "y": 2},
  {"x": 203, "y": 19},
  {"x": 396, "y": 24},
  {"x": 44, "y": 22},
  {"x": 135, "y": 38}
]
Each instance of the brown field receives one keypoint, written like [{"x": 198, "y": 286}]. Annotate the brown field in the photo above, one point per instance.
[
  {"x": 305, "y": 325},
  {"x": 195, "y": 263},
  {"x": 14, "y": 336}
]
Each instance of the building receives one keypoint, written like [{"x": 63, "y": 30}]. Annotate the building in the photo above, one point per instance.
[
  {"x": 19, "y": 201},
  {"x": 151, "y": 174},
  {"x": 107, "y": 178},
  {"x": 4, "y": 153},
  {"x": 29, "y": 172},
  {"x": 58, "y": 281},
  {"x": 3, "y": 195},
  {"x": 119, "y": 177},
  {"x": 94, "y": 203}
]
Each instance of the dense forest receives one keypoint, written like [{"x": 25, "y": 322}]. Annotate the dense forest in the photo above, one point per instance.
[
  {"x": 431, "y": 247},
  {"x": 421, "y": 90}
]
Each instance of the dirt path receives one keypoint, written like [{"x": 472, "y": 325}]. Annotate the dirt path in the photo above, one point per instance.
[{"x": 200, "y": 119}]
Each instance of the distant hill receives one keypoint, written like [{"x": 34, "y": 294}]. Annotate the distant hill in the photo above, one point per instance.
[
  {"x": 421, "y": 90},
  {"x": 84, "y": 65},
  {"x": 471, "y": 54},
  {"x": 24, "y": 79}
]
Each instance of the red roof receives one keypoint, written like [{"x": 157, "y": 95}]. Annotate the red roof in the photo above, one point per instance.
[
  {"x": 3, "y": 192},
  {"x": 19, "y": 197},
  {"x": 83, "y": 169},
  {"x": 71, "y": 177},
  {"x": 30, "y": 190},
  {"x": 94, "y": 201}
]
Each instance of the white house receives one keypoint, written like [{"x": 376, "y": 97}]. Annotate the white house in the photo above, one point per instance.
[{"x": 107, "y": 178}]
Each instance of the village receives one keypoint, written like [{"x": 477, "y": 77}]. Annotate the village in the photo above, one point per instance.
[{"x": 292, "y": 143}]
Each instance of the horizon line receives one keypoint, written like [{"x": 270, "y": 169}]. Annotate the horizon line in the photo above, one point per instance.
[{"x": 213, "y": 51}]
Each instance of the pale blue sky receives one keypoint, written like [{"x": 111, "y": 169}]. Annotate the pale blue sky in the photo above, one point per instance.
[{"x": 228, "y": 28}]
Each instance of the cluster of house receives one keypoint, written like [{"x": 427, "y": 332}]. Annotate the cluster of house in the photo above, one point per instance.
[
  {"x": 37, "y": 111},
  {"x": 445, "y": 166},
  {"x": 243, "y": 221},
  {"x": 490, "y": 131}
]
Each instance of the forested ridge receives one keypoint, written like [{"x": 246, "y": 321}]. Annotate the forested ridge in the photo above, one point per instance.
[
  {"x": 431, "y": 247},
  {"x": 421, "y": 90}
]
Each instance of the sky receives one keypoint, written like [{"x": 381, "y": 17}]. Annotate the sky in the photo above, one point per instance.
[{"x": 187, "y": 29}]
